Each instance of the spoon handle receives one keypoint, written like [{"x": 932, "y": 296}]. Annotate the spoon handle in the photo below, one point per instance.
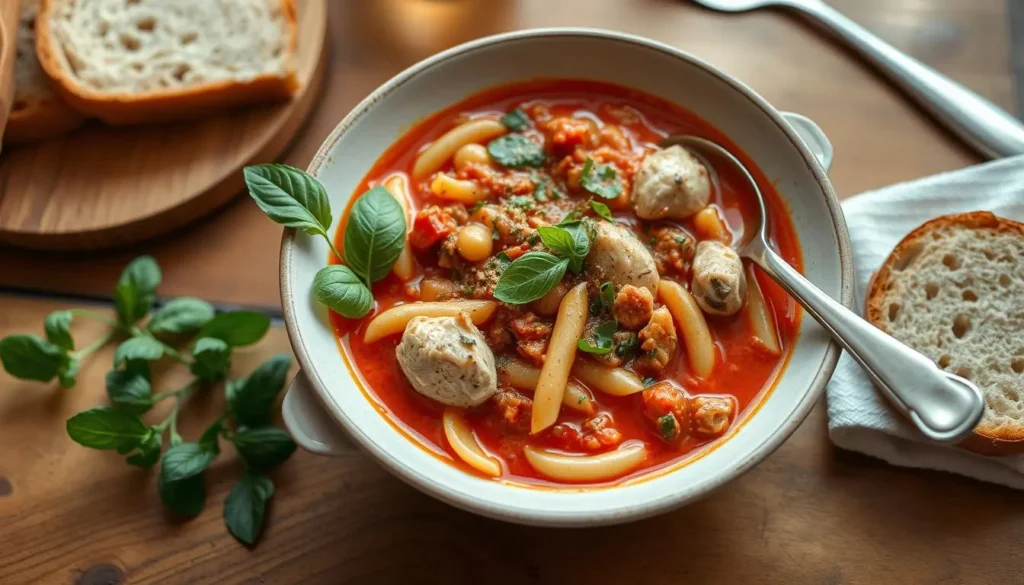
[
  {"x": 977, "y": 121},
  {"x": 944, "y": 407}
]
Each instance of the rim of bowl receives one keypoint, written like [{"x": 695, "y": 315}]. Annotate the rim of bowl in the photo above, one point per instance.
[{"x": 511, "y": 511}]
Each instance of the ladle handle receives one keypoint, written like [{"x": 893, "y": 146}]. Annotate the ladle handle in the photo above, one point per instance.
[{"x": 944, "y": 407}]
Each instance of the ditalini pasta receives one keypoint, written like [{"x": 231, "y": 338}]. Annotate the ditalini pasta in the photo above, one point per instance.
[
  {"x": 572, "y": 316},
  {"x": 444, "y": 148},
  {"x": 541, "y": 324},
  {"x": 396, "y": 318},
  {"x": 405, "y": 267},
  {"x": 576, "y": 469}
]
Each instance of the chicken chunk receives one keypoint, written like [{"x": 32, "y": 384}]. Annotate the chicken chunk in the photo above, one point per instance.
[
  {"x": 633, "y": 306},
  {"x": 617, "y": 256},
  {"x": 671, "y": 183},
  {"x": 718, "y": 284},
  {"x": 711, "y": 415},
  {"x": 447, "y": 359},
  {"x": 658, "y": 343}
]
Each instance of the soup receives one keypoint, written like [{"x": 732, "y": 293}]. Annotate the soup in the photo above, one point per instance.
[{"x": 566, "y": 308}]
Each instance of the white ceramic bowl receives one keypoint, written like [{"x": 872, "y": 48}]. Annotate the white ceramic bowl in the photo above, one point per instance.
[{"x": 789, "y": 149}]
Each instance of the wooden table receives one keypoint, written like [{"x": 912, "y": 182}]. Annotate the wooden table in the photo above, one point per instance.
[{"x": 808, "y": 514}]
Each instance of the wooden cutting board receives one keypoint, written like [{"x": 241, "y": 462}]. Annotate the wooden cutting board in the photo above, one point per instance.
[{"x": 101, "y": 186}]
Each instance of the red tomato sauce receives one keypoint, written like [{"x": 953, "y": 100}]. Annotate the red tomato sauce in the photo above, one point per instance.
[{"x": 742, "y": 371}]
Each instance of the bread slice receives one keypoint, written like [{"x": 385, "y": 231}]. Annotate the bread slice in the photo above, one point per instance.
[
  {"x": 141, "y": 61},
  {"x": 954, "y": 290},
  {"x": 38, "y": 112}
]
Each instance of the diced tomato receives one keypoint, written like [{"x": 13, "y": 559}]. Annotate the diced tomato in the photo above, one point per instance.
[
  {"x": 430, "y": 227},
  {"x": 516, "y": 251}
]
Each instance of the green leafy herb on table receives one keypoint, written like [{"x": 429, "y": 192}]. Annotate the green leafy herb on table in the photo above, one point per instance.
[
  {"x": 188, "y": 331},
  {"x": 374, "y": 236}
]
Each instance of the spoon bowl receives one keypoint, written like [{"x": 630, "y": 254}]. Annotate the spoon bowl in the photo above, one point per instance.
[
  {"x": 943, "y": 406},
  {"x": 735, "y": 5}
]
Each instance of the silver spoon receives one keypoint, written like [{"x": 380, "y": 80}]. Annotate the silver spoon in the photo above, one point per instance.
[
  {"x": 945, "y": 407},
  {"x": 974, "y": 119}
]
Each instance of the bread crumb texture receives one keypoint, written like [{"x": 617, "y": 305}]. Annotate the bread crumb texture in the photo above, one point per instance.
[
  {"x": 142, "y": 46},
  {"x": 954, "y": 290}
]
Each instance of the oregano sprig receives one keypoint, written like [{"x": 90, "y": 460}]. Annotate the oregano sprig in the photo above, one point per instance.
[{"x": 185, "y": 330}]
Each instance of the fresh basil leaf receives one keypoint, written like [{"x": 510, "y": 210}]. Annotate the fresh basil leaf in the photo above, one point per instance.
[
  {"x": 208, "y": 440},
  {"x": 290, "y": 197},
  {"x": 516, "y": 151},
  {"x": 68, "y": 372},
  {"x": 58, "y": 329},
  {"x": 184, "y": 315},
  {"x": 375, "y": 235},
  {"x": 601, "y": 180},
  {"x": 250, "y": 400},
  {"x": 186, "y": 497},
  {"x": 339, "y": 289},
  {"x": 31, "y": 357},
  {"x": 185, "y": 460},
  {"x": 211, "y": 359},
  {"x": 141, "y": 347},
  {"x": 264, "y": 448},
  {"x": 607, "y": 294},
  {"x": 136, "y": 289},
  {"x": 106, "y": 427},
  {"x": 572, "y": 217},
  {"x": 581, "y": 244},
  {"x": 516, "y": 120},
  {"x": 129, "y": 390},
  {"x": 246, "y": 506},
  {"x": 602, "y": 336},
  {"x": 148, "y": 451},
  {"x": 558, "y": 240},
  {"x": 601, "y": 210},
  {"x": 237, "y": 328},
  {"x": 529, "y": 278}
]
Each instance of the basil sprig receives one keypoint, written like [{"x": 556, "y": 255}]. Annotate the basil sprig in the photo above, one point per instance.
[
  {"x": 533, "y": 274},
  {"x": 187, "y": 331},
  {"x": 374, "y": 236}
]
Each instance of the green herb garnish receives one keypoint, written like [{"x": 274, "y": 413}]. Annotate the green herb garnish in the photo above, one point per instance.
[
  {"x": 374, "y": 236},
  {"x": 569, "y": 241},
  {"x": 530, "y": 277},
  {"x": 668, "y": 426},
  {"x": 607, "y": 294},
  {"x": 602, "y": 339},
  {"x": 516, "y": 151},
  {"x": 601, "y": 210},
  {"x": 601, "y": 180},
  {"x": 516, "y": 120}
]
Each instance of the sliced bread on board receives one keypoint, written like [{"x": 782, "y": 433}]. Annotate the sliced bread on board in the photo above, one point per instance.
[
  {"x": 38, "y": 112},
  {"x": 954, "y": 290},
  {"x": 141, "y": 61}
]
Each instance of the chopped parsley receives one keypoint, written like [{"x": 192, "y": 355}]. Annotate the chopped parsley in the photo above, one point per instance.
[
  {"x": 520, "y": 202},
  {"x": 627, "y": 347},
  {"x": 668, "y": 426},
  {"x": 517, "y": 151},
  {"x": 580, "y": 399},
  {"x": 516, "y": 120},
  {"x": 649, "y": 381},
  {"x": 477, "y": 207},
  {"x": 602, "y": 339},
  {"x": 601, "y": 180},
  {"x": 540, "y": 191},
  {"x": 607, "y": 295}
]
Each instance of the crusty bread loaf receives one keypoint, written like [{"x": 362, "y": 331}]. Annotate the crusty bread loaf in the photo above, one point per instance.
[
  {"x": 954, "y": 290},
  {"x": 140, "y": 61},
  {"x": 38, "y": 112}
]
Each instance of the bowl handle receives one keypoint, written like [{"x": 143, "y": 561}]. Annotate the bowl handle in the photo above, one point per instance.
[
  {"x": 813, "y": 137},
  {"x": 311, "y": 427}
]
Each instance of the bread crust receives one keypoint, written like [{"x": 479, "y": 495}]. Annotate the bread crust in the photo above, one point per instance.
[
  {"x": 170, "y": 104},
  {"x": 41, "y": 120},
  {"x": 984, "y": 440}
]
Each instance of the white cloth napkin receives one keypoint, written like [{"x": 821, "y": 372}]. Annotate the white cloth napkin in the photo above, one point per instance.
[{"x": 859, "y": 419}]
